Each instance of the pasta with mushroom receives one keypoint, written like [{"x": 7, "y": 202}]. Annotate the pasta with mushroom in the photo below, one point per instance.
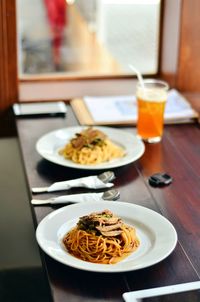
[
  {"x": 101, "y": 237},
  {"x": 91, "y": 146}
]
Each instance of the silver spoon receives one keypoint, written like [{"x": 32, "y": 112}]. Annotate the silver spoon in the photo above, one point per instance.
[
  {"x": 105, "y": 177},
  {"x": 113, "y": 194},
  {"x": 76, "y": 198}
]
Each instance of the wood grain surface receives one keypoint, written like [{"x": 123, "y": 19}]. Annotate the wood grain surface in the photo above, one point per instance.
[{"x": 178, "y": 155}]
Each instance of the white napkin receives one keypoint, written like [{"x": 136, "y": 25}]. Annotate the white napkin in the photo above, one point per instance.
[
  {"x": 92, "y": 182},
  {"x": 79, "y": 198},
  {"x": 70, "y": 198}
]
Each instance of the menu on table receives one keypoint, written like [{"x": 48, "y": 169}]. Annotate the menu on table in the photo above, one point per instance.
[{"x": 122, "y": 110}]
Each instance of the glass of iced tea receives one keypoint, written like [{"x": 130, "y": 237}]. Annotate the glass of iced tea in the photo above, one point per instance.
[{"x": 151, "y": 100}]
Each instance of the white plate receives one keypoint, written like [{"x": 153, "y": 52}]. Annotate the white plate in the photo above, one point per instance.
[
  {"x": 49, "y": 144},
  {"x": 157, "y": 235}
]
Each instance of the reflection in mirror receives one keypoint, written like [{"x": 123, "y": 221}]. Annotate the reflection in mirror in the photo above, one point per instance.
[{"x": 88, "y": 37}]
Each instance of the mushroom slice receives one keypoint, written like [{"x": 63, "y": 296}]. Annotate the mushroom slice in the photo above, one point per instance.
[
  {"x": 111, "y": 233},
  {"x": 108, "y": 228}
]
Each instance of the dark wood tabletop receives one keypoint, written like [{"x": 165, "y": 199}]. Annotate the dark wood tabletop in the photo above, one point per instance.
[{"x": 178, "y": 154}]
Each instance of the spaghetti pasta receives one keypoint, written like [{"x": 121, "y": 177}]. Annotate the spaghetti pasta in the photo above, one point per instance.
[
  {"x": 101, "y": 238},
  {"x": 91, "y": 147}
]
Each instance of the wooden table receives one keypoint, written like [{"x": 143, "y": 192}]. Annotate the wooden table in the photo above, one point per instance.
[{"x": 179, "y": 155}]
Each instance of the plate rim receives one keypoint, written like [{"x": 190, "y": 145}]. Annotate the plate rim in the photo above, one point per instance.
[
  {"x": 102, "y": 166},
  {"x": 80, "y": 264}
]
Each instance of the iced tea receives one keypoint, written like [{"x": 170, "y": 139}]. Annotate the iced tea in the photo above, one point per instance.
[{"x": 151, "y": 101}]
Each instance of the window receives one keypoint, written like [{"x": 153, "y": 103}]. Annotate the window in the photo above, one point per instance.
[{"x": 86, "y": 38}]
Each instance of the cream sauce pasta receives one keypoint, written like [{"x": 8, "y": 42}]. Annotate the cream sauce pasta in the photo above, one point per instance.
[{"x": 91, "y": 147}]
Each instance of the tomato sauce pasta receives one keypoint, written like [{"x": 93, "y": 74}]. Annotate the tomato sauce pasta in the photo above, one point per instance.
[{"x": 101, "y": 238}]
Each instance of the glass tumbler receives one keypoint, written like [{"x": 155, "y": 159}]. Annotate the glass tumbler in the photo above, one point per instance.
[{"x": 151, "y": 101}]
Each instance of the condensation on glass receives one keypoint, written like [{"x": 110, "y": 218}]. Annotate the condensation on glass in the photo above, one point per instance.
[{"x": 88, "y": 37}]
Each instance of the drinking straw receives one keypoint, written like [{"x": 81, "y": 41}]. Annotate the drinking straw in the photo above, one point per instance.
[{"x": 139, "y": 76}]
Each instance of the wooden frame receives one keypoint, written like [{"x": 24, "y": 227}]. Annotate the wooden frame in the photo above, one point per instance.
[
  {"x": 8, "y": 55},
  {"x": 188, "y": 74}
]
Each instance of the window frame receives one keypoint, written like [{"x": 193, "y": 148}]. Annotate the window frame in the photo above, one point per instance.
[
  {"x": 23, "y": 90},
  {"x": 78, "y": 77}
]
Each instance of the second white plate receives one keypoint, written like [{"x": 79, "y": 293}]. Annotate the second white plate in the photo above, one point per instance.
[
  {"x": 49, "y": 144},
  {"x": 157, "y": 235}
]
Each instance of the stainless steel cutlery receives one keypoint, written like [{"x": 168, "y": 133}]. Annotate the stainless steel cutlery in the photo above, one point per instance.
[
  {"x": 112, "y": 194},
  {"x": 94, "y": 182}
]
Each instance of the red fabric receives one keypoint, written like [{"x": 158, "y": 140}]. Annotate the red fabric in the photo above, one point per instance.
[{"x": 56, "y": 12}]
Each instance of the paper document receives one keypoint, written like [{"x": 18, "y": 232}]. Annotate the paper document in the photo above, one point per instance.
[{"x": 116, "y": 109}]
